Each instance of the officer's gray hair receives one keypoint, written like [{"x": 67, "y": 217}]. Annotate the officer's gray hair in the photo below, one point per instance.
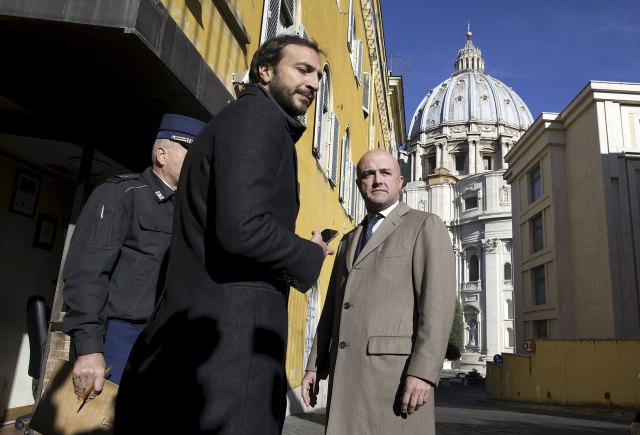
[{"x": 165, "y": 143}]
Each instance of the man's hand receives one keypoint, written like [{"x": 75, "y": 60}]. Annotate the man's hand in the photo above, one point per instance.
[
  {"x": 317, "y": 238},
  {"x": 309, "y": 389},
  {"x": 415, "y": 394},
  {"x": 88, "y": 370}
]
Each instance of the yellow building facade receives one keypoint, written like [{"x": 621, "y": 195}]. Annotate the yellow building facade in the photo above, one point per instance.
[
  {"x": 120, "y": 66},
  {"x": 591, "y": 373}
]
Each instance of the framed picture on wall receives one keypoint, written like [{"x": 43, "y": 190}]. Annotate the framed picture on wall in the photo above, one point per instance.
[
  {"x": 24, "y": 198},
  {"x": 45, "y": 234}
]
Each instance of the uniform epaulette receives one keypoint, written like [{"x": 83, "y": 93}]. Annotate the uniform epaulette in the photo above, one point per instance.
[{"x": 123, "y": 177}]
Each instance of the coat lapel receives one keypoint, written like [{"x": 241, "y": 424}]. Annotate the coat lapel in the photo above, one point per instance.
[
  {"x": 388, "y": 226},
  {"x": 354, "y": 237}
]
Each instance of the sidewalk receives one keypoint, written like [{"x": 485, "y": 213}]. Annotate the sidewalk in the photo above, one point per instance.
[{"x": 311, "y": 423}]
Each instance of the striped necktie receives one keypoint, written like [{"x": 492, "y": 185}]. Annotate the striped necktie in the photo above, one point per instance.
[{"x": 368, "y": 230}]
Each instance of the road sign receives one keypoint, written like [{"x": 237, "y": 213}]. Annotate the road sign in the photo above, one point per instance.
[
  {"x": 529, "y": 346},
  {"x": 497, "y": 359}
]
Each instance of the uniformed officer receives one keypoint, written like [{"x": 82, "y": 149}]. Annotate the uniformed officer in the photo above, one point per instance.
[{"x": 115, "y": 265}]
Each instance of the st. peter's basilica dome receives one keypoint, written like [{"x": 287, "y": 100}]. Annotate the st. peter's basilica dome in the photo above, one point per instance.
[{"x": 470, "y": 95}]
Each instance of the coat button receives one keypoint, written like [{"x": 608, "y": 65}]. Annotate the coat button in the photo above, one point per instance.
[
  {"x": 342, "y": 345},
  {"x": 347, "y": 305}
]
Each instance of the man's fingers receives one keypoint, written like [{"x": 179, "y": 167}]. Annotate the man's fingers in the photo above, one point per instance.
[
  {"x": 98, "y": 384},
  {"x": 308, "y": 395},
  {"x": 418, "y": 398},
  {"x": 406, "y": 397},
  {"x": 305, "y": 395},
  {"x": 309, "y": 388},
  {"x": 415, "y": 394}
]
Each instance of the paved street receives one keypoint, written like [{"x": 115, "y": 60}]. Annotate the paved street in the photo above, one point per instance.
[{"x": 462, "y": 410}]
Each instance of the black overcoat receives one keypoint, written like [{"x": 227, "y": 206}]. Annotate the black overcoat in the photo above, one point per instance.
[{"x": 211, "y": 359}]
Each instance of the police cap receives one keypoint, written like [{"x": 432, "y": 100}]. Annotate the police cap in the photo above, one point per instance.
[{"x": 179, "y": 128}]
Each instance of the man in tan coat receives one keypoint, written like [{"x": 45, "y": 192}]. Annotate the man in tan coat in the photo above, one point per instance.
[{"x": 387, "y": 317}]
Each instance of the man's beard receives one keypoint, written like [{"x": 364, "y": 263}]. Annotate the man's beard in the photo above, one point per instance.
[{"x": 285, "y": 96}]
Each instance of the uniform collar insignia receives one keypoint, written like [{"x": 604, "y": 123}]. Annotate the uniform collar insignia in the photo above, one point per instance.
[{"x": 159, "y": 195}]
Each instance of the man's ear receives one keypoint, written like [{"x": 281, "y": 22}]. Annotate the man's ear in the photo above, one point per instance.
[
  {"x": 161, "y": 156},
  {"x": 266, "y": 74}
]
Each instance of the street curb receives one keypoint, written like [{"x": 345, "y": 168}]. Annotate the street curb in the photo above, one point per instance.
[{"x": 612, "y": 414}]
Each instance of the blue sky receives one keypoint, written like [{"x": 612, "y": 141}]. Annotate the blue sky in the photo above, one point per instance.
[{"x": 546, "y": 50}]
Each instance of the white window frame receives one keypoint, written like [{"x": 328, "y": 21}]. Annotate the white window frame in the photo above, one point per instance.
[
  {"x": 356, "y": 59},
  {"x": 345, "y": 168},
  {"x": 353, "y": 193},
  {"x": 302, "y": 32},
  {"x": 311, "y": 322},
  {"x": 334, "y": 145},
  {"x": 271, "y": 23},
  {"x": 351, "y": 27},
  {"x": 366, "y": 92},
  {"x": 322, "y": 114}
]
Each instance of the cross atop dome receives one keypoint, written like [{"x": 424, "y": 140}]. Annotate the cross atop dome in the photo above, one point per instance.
[{"x": 469, "y": 57}]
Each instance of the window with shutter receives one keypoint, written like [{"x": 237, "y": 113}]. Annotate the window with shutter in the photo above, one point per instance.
[
  {"x": 270, "y": 19},
  {"x": 366, "y": 91},
  {"x": 321, "y": 118},
  {"x": 289, "y": 9},
  {"x": 312, "y": 321},
  {"x": 344, "y": 169},
  {"x": 351, "y": 30},
  {"x": 278, "y": 18},
  {"x": 302, "y": 32},
  {"x": 357, "y": 69},
  {"x": 353, "y": 193},
  {"x": 332, "y": 170},
  {"x": 372, "y": 130}
]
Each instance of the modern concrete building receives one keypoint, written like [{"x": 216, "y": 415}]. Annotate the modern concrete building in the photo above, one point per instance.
[
  {"x": 575, "y": 181},
  {"x": 453, "y": 163},
  {"x": 83, "y": 87}
]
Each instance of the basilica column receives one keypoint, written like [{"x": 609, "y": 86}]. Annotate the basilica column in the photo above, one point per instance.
[
  {"x": 472, "y": 157},
  {"x": 417, "y": 167},
  {"x": 493, "y": 297}
]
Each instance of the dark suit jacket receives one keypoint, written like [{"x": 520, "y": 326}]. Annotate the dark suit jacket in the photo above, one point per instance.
[{"x": 221, "y": 326}]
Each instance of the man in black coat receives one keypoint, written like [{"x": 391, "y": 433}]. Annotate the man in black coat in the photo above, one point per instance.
[
  {"x": 211, "y": 359},
  {"x": 117, "y": 256}
]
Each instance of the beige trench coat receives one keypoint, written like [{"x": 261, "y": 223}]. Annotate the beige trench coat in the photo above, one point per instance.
[{"x": 386, "y": 315}]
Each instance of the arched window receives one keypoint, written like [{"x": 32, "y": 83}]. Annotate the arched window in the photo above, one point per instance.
[
  {"x": 460, "y": 162},
  {"x": 312, "y": 321},
  {"x": 509, "y": 309},
  {"x": 511, "y": 341},
  {"x": 346, "y": 175},
  {"x": 323, "y": 137},
  {"x": 474, "y": 268},
  {"x": 507, "y": 272}
]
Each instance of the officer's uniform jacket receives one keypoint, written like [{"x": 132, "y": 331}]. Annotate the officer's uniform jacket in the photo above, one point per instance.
[{"x": 116, "y": 256}]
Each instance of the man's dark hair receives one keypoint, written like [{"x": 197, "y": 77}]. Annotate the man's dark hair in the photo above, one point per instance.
[{"x": 270, "y": 53}]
